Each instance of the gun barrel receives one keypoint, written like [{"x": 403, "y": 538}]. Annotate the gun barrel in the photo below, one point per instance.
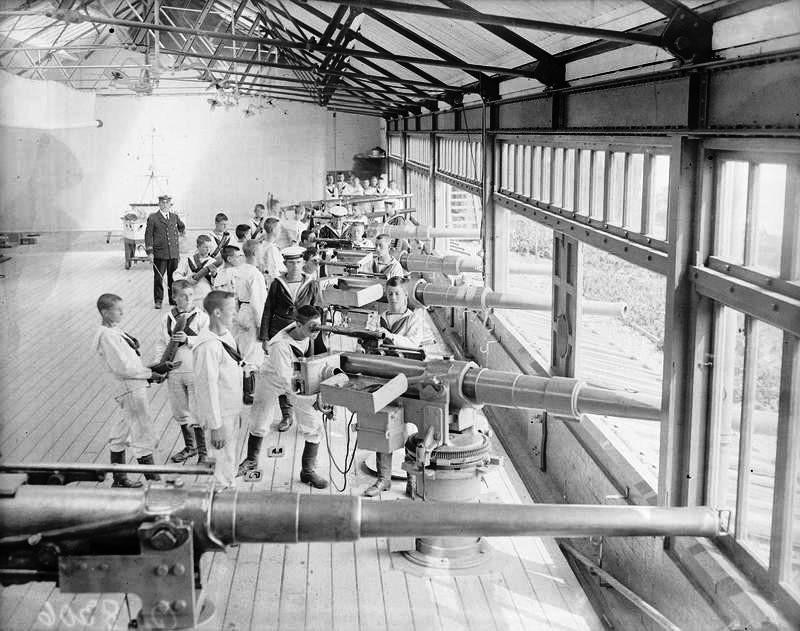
[
  {"x": 474, "y": 297},
  {"x": 472, "y": 385},
  {"x": 451, "y": 264},
  {"x": 424, "y": 233},
  {"x": 264, "y": 517}
]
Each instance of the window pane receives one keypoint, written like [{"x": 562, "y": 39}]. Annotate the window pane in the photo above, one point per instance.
[
  {"x": 727, "y": 399},
  {"x": 624, "y": 353},
  {"x": 530, "y": 264},
  {"x": 617, "y": 188},
  {"x": 731, "y": 210},
  {"x": 634, "y": 190},
  {"x": 547, "y": 165},
  {"x": 598, "y": 183},
  {"x": 569, "y": 180},
  {"x": 558, "y": 178},
  {"x": 584, "y": 175},
  {"x": 765, "y": 344},
  {"x": 768, "y": 206},
  {"x": 794, "y": 570},
  {"x": 460, "y": 209},
  {"x": 659, "y": 196}
]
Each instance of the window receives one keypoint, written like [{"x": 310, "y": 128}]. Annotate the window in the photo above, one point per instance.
[
  {"x": 457, "y": 208},
  {"x": 420, "y": 196},
  {"x": 419, "y": 149},
  {"x": 624, "y": 189},
  {"x": 530, "y": 272},
  {"x": 396, "y": 145},
  {"x": 460, "y": 157},
  {"x": 623, "y": 352},
  {"x": 751, "y": 200},
  {"x": 396, "y": 179},
  {"x": 746, "y": 383}
]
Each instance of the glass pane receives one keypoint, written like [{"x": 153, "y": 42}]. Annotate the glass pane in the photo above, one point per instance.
[
  {"x": 569, "y": 180},
  {"x": 634, "y": 192},
  {"x": 530, "y": 264},
  {"x": 558, "y": 178},
  {"x": 526, "y": 172},
  {"x": 731, "y": 196},
  {"x": 794, "y": 568},
  {"x": 767, "y": 215},
  {"x": 504, "y": 166},
  {"x": 617, "y": 188},
  {"x": 460, "y": 209},
  {"x": 536, "y": 176},
  {"x": 727, "y": 401},
  {"x": 598, "y": 183},
  {"x": 659, "y": 196},
  {"x": 584, "y": 175},
  {"x": 547, "y": 165},
  {"x": 762, "y": 409},
  {"x": 623, "y": 352}
]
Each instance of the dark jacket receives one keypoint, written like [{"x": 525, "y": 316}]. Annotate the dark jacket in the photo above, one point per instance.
[
  {"x": 161, "y": 235},
  {"x": 279, "y": 307}
]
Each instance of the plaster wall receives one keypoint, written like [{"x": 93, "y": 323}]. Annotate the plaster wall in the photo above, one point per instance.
[{"x": 209, "y": 161}]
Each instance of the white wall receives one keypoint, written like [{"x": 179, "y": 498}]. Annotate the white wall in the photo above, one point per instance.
[
  {"x": 349, "y": 134},
  {"x": 83, "y": 179}
]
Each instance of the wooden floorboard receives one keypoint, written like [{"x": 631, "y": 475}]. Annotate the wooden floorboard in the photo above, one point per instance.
[{"x": 57, "y": 405}]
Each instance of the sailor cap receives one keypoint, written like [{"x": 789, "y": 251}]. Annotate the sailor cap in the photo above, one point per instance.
[
  {"x": 292, "y": 252},
  {"x": 338, "y": 211}
]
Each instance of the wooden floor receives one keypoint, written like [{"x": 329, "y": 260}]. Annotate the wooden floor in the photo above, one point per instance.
[{"x": 56, "y": 405}]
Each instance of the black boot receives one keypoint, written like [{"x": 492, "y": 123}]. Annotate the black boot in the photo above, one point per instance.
[
  {"x": 253, "y": 450},
  {"x": 287, "y": 413},
  {"x": 200, "y": 442},
  {"x": 189, "y": 448},
  {"x": 121, "y": 479},
  {"x": 309, "y": 460},
  {"x": 383, "y": 463},
  {"x": 149, "y": 461}
]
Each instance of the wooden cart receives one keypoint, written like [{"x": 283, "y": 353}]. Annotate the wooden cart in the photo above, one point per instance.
[{"x": 133, "y": 226}]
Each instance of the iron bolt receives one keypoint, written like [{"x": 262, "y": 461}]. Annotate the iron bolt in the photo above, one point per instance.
[
  {"x": 84, "y": 566},
  {"x": 163, "y": 539},
  {"x": 161, "y": 570},
  {"x": 179, "y": 605},
  {"x": 103, "y": 567},
  {"x": 178, "y": 569}
]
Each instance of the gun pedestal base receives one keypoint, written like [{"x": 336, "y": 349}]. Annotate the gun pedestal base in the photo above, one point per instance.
[{"x": 454, "y": 474}]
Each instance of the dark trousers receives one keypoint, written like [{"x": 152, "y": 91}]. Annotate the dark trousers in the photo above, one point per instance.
[{"x": 163, "y": 269}]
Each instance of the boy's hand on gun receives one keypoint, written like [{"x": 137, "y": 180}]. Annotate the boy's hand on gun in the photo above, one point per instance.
[{"x": 180, "y": 337}]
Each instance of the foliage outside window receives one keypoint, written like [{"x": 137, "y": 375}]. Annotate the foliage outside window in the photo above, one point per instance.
[{"x": 623, "y": 352}]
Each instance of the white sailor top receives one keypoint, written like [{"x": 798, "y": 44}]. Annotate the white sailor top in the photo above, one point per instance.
[
  {"x": 407, "y": 328},
  {"x": 120, "y": 354},
  {"x": 217, "y": 378}
]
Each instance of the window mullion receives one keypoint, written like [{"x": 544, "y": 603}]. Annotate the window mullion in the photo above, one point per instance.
[{"x": 746, "y": 424}]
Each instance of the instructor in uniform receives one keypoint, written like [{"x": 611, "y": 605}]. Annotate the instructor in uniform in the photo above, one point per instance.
[{"x": 161, "y": 243}]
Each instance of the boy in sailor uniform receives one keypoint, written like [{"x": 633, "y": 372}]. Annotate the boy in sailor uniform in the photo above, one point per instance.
[
  {"x": 218, "y": 384},
  {"x": 335, "y": 229},
  {"x": 286, "y": 294},
  {"x": 257, "y": 221},
  {"x": 294, "y": 341},
  {"x": 356, "y": 234},
  {"x": 198, "y": 269},
  {"x": 220, "y": 236},
  {"x": 251, "y": 294},
  {"x": 402, "y": 327},
  {"x": 272, "y": 261},
  {"x": 180, "y": 381},
  {"x": 331, "y": 190},
  {"x": 382, "y": 261},
  {"x": 119, "y": 353}
]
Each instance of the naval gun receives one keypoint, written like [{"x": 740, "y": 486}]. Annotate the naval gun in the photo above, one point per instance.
[
  {"x": 426, "y": 294},
  {"x": 448, "y": 454},
  {"x": 149, "y": 541}
]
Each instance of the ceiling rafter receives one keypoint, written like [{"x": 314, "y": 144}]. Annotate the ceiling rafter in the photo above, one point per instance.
[
  {"x": 362, "y": 39},
  {"x": 551, "y": 71},
  {"x": 335, "y": 72},
  {"x": 198, "y": 23}
]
